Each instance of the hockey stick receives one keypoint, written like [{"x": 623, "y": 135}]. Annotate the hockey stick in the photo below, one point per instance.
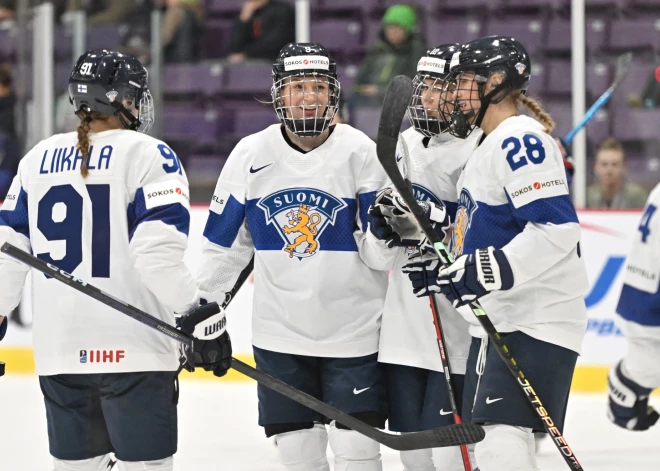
[
  {"x": 451, "y": 435},
  {"x": 388, "y": 130},
  {"x": 622, "y": 69},
  {"x": 394, "y": 105}
]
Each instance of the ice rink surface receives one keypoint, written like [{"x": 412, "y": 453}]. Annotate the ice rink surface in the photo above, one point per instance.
[{"x": 218, "y": 432}]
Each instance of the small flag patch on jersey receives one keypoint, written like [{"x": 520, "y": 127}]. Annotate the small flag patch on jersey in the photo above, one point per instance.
[{"x": 82, "y": 88}]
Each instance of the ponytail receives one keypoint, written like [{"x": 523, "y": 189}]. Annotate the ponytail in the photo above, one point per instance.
[
  {"x": 535, "y": 107},
  {"x": 83, "y": 143}
]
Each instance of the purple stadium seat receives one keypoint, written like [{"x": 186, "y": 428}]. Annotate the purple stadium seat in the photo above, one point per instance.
[
  {"x": 534, "y": 3},
  {"x": 598, "y": 79},
  {"x": 347, "y": 75},
  {"x": 103, "y": 36},
  {"x": 203, "y": 169},
  {"x": 251, "y": 118},
  {"x": 184, "y": 79},
  {"x": 528, "y": 31},
  {"x": 558, "y": 77},
  {"x": 248, "y": 78},
  {"x": 560, "y": 110},
  {"x": 338, "y": 35},
  {"x": 633, "y": 124},
  {"x": 372, "y": 32},
  {"x": 472, "y": 4},
  {"x": 366, "y": 120},
  {"x": 190, "y": 124},
  {"x": 63, "y": 43},
  {"x": 452, "y": 30},
  {"x": 633, "y": 84},
  {"x": 216, "y": 38},
  {"x": 7, "y": 44},
  {"x": 559, "y": 80},
  {"x": 228, "y": 8},
  {"x": 333, "y": 7},
  {"x": 423, "y": 6},
  {"x": 635, "y": 33}
]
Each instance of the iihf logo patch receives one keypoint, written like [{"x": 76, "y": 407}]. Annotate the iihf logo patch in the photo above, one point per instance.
[
  {"x": 520, "y": 67},
  {"x": 300, "y": 216},
  {"x": 83, "y": 356},
  {"x": 466, "y": 208},
  {"x": 112, "y": 95}
]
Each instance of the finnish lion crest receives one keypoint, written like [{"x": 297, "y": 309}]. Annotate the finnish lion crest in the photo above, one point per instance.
[
  {"x": 466, "y": 208},
  {"x": 300, "y": 215}
]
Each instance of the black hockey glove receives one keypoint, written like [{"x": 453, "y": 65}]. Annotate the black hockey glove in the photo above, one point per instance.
[
  {"x": 211, "y": 348},
  {"x": 629, "y": 402},
  {"x": 391, "y": 220}
]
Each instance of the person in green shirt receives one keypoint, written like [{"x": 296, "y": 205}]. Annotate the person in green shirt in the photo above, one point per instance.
[{"x": 395, "y": 53}]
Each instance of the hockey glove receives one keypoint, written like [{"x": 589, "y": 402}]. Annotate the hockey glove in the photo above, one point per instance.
[
  {"x": 391, "y": 220},
  {"x": 629, "y": 402},
  {"x": 3, "y": 326},
  {"x": 211, "y": 348},
  {"x": 470, "y": 277}
]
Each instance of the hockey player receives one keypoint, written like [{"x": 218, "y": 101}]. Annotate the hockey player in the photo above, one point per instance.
[
  {"x": 516, "y": 247},
  {"x": 417, "y": 390},
  {"x": 108, "y": 204},
  {"x": 637, "y": 374},
  {"x": 296, "y": 196}
]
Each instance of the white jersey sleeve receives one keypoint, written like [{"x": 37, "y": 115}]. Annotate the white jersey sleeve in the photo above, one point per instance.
[
  {"x": 373, "y": 252},
  {"x": 159, "y": 220},
  {"x": 640, "y": 299},
  {"x": 530, "y": 169},
  {"x": 15, "y": 229},
  {"x": 227, "y": 246}
]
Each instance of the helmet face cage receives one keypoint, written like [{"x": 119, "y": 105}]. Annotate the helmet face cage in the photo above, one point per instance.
[
  {"x": 295, "y": 97},
  {"x": 428, "y": 101},
  {"x": 146, "y": 115},
  {"x": 466, "y": 112}
]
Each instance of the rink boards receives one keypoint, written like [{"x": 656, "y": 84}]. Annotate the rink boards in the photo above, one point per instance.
[{"x": 606, "y": 240}]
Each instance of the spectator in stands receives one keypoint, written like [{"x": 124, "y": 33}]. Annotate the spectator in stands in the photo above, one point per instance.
[
  {"x": 7, "y": 10},
  {"x": 114, "y": 11},
  {"x": 9, "y": 150},
  {"x": 612, "y": 191},
  {"x": 183, "y": 26},
  {"x": 7, "y": 102},
  {"x": 261, "y": 30},
  {"x": 395, "y": 53}
]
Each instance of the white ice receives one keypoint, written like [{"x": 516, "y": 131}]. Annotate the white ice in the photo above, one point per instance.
[{"x": 218, "y": 432}]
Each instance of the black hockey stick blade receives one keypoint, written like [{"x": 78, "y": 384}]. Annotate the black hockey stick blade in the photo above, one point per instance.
[
  {"x": 445, "y": 436},
  {"x": 452, "y": 435}
]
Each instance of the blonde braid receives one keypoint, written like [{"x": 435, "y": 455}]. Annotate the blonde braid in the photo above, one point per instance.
[
  {"x": 541, "y": 115},
  {"x": 83, "y": 143}
]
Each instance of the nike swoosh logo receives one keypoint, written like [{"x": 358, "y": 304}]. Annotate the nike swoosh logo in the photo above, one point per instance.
[
  {"x": 490, "y": 401},
  {"x": 358, "y": 391},
  {"x": 442, "y": 412},
  {"x": 255, "y": 170},
  {"x": 399, "y": 157}
]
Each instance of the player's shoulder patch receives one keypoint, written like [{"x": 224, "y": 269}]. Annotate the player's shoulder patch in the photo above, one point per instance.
[{"x": 166, "y": 192}]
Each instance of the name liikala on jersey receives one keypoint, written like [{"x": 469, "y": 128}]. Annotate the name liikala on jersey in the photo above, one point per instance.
[{"x": 67, "y": 158}]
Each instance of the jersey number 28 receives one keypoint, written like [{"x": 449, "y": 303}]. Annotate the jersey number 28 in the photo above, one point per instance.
[
  {"x": 534, "y": 151},
  {"x": 66, "y": 223}
]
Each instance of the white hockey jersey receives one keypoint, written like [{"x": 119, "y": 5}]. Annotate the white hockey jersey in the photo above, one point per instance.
[
  {"x": 407, "y": 333},
  {"x": 513, "y": 196},
  {"x": 123, "y": 228},
  {"x": 304, "y": 217},
  {"x": 640, "y": 297}
]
